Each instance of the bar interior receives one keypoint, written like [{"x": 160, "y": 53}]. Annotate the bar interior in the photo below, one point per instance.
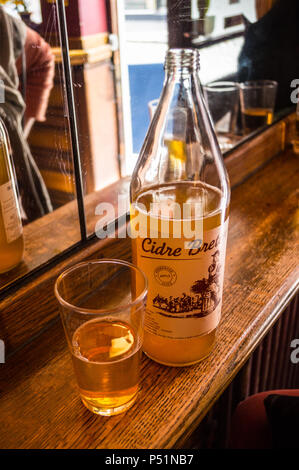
[{"x": 149, "y": 170}]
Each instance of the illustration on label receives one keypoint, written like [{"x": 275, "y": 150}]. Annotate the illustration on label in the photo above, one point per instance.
[{"x": 204, "y": 301}]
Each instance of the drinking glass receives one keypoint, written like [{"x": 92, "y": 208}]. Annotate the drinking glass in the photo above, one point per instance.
[
  {"x": 223, "y": 102},
  {"x": 102, "y": 305},
  {"x": 257, "y": 103}
]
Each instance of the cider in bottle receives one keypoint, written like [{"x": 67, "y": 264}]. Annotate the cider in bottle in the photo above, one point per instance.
[
  {"x": 11, "y": 231},
  {"x": 180, "y": 197}
]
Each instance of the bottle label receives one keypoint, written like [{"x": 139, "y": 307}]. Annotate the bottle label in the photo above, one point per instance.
[
  {"x": 185, "y": 283},
  {"x": 10, "y": 212}
]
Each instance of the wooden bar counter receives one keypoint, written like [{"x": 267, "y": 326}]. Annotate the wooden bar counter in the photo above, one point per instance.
[{"x": 39, "y": 404}]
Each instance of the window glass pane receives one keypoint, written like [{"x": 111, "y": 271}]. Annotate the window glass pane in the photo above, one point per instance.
[
  {"x": 96, "y": 76},
  {"x": 35, "y": 113},
  {"x": 145, "y": 41}
]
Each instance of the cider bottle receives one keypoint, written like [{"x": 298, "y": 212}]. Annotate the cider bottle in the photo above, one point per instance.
[
  {"x": 180, "y": 197},
  {"x": 11, "y": 231}
]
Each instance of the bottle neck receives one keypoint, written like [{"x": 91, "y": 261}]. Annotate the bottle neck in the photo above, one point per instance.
[{"x": 180, "y": 62}]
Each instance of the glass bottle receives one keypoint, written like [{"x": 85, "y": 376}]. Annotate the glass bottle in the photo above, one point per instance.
[
  {"x": 180, "y": 197},
  {"x": 11, "y": 230}
]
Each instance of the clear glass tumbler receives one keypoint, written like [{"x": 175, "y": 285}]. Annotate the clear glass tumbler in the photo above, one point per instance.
[
  {"x": 257, "y": 104},
  {"x": 223, "y": 102},
  {"x": 102, "y": 305}
]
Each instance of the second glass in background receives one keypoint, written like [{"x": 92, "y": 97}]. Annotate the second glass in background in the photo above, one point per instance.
[
  {"x": 222, "y": 99},
  {"x": 257, "y": 104}
]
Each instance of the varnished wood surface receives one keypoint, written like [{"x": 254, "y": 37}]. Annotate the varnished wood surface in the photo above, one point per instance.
[
  {"x": 251, "y": 155},
  {"x": 82, "y": 56},
  {"x": 50, "y": 235},
  {"x": 26, "y": 311},
  {"x": 39, "y": 405}
]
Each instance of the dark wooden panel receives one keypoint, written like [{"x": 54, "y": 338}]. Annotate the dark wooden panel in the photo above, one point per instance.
[{"x": 252, "y": 379}]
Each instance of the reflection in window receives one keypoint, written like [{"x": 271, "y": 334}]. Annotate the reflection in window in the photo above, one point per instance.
[
  {"x": 34, "y": 111},
  {"x": 146, "y": 41}
]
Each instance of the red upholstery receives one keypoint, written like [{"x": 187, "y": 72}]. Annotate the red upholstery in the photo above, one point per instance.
[{"x": 250, "y": 427}]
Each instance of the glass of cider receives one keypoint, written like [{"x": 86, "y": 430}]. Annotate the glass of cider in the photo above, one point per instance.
[
  {"x": 257, "y": 104},
  {"x": 102, "y": 306}
]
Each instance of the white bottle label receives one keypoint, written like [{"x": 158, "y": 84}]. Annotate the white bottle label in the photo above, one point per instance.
[
  {"x": 10, "y": 212},
  {"x": 185, "y": 286}
]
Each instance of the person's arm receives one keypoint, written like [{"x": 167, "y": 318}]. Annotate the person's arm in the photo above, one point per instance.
[{"x": 39, "y": 77}]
